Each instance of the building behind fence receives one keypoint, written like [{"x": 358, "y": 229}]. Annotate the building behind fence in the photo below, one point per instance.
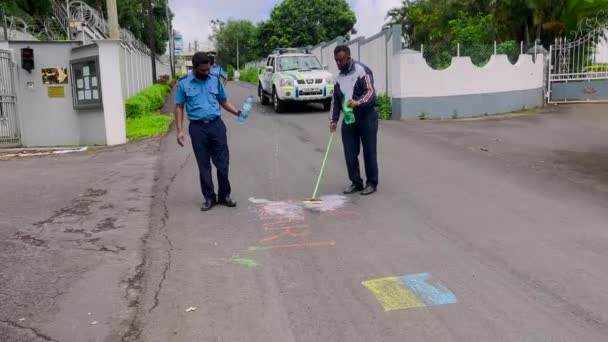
[{"x": 75, "y": 92}]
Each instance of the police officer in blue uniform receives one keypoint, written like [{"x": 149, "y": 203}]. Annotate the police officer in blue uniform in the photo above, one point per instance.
[
  {"x": 203, "y": 96},
  {"x": 217, "y": 70},
  {"x": 355, "y": 84}
]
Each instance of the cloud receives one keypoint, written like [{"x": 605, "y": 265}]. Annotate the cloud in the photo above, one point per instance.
[
  {"x": 192, "y": 17},
  {"x": 371, "y": 14}
]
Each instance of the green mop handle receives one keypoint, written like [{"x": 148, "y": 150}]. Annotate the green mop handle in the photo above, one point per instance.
[{"x": 331, "y": 138}]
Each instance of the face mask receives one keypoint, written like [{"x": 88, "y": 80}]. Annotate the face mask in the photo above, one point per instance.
[
  {"x": 200, "y": 75},
  {"x": 345, "y": 67}
]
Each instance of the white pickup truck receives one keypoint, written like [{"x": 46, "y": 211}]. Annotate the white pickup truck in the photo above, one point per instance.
[{"x": 291, "y": 75}]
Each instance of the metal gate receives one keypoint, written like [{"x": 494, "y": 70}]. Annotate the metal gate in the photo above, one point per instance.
[
  {"x": 9, "y": 126},
  {"x": 578, "y": 69}
]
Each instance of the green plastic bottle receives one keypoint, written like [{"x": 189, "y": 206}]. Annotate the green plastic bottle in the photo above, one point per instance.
[{"x": 349, "y": 116}]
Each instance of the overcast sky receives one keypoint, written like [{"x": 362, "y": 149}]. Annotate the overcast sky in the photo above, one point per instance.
[{"x": 192, "y": 16}]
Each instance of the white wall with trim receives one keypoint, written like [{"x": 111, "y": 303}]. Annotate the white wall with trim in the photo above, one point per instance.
[{"x": 462, "y": 90}]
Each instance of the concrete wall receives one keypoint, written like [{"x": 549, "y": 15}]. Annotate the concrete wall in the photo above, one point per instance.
[
  {"x": 327, "y": 54},
  {"x": 465, "y": 90},
  {"x": 354, "y": 46},
  {"x": 462, "y": 90},
  {"x": 137, "y": 70},
  {"x": 48, "y": 121},
  {"x": 375, "y": 52},
  {"x": 53, "y": 121}
]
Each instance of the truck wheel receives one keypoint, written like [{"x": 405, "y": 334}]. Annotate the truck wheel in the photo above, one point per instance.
[
  {"x": 279, "y": 106},
  {"x": 263, "y": 97},
  {"x": 327, "y": 105}
]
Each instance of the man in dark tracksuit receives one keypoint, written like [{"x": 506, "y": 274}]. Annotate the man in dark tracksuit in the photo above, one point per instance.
[
  {"x": 355, "y": 85},
  {"x": 202, "y": 95}
]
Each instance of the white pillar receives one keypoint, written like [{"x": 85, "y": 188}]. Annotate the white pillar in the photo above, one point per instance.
[{"x": 111, "y": 92}]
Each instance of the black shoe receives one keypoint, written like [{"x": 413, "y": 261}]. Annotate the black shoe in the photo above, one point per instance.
[
  {"x": 368, "y": 190},
  {"x": 227, "y": 201},
  {"x": 208, "y": 205},
  {"x": 352, "y": 189}
]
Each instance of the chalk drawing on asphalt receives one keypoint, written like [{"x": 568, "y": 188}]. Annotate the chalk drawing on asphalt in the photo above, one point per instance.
[
  {"x": 295, "y": 209},
  {"x": 410, "y": 291},
  {"x": 247, "y": 262}
]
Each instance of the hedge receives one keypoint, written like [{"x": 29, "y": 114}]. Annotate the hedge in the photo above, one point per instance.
[
  {"x": 385, "y": 107},
  {"x": 147, "y": 101},
  {"x": 249, "y": 75}
]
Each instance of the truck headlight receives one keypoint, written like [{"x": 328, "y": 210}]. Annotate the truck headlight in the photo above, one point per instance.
[{"x": 285, "y": 82}]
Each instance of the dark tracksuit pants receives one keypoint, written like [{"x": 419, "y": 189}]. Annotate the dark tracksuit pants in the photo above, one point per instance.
[
  {"x": 363, "y": 132},
  {"x": 210, "y": 143}
]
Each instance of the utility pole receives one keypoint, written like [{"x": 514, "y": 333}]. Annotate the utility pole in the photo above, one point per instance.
[
  {"x": 113, "y": 19},
  {"x": 67, "y": 19},
  {"x": 171, "y": 43},
  {"x": 237, "y": 55},
  {"x": 151, "y": 37},
  {"x": 4, "y": 24}
]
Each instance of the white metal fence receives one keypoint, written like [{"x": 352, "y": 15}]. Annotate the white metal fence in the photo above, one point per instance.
[
  {"x": 578, "y": 69},
  {"x": 137, "y": 73},
  {"x": 9, "y": 126}
]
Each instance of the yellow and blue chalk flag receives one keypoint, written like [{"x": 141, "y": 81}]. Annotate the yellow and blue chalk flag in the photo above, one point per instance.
[{"x": 410, "y": 291}]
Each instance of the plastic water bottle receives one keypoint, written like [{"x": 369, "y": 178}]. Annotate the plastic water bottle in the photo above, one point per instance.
[
  {"x": 349, "y": 116},
  {"x": 245, "y": 110}
]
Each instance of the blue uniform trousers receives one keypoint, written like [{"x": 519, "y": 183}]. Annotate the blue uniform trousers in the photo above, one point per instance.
[{"x": 210, "y": 143}]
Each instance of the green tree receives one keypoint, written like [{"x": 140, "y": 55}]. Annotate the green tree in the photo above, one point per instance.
[
  {"x": 226, "y": 36},
  {"x": 428, "y": 21},
  {"x": 131, "y": 16},
  {"x": 472, "y": 30},
  {"x": 296, "y": 23}
]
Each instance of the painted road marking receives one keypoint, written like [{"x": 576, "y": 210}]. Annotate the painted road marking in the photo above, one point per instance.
[
  {"x": 410, "y": 291},
  {"x": 435, "y": 294},
  {"x": 391, "y": 293}
]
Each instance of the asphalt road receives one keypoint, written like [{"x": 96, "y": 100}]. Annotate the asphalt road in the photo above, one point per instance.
[
  {"x": 461, "y": 243},
  {"x": 71, "y": 236}
]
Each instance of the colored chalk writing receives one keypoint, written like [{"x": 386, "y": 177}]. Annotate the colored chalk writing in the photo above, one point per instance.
[
  {"x": 410, "y": 291},
  {"x": 245, "y": 262},
  {"x": 285, "y": 225}
]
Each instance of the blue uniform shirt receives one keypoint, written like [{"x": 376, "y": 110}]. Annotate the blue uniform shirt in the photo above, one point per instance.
[
  {"x": 201, "y": 98},
  {"x": 218, "y": 72}
]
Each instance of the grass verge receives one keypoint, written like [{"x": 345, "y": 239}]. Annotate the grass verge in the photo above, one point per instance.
[
  {"x": 150, "y": 125},
  {"x": 143, "y": 119}
]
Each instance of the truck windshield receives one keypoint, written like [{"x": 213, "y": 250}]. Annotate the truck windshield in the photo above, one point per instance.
[{"x": 298, "y": 63}]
